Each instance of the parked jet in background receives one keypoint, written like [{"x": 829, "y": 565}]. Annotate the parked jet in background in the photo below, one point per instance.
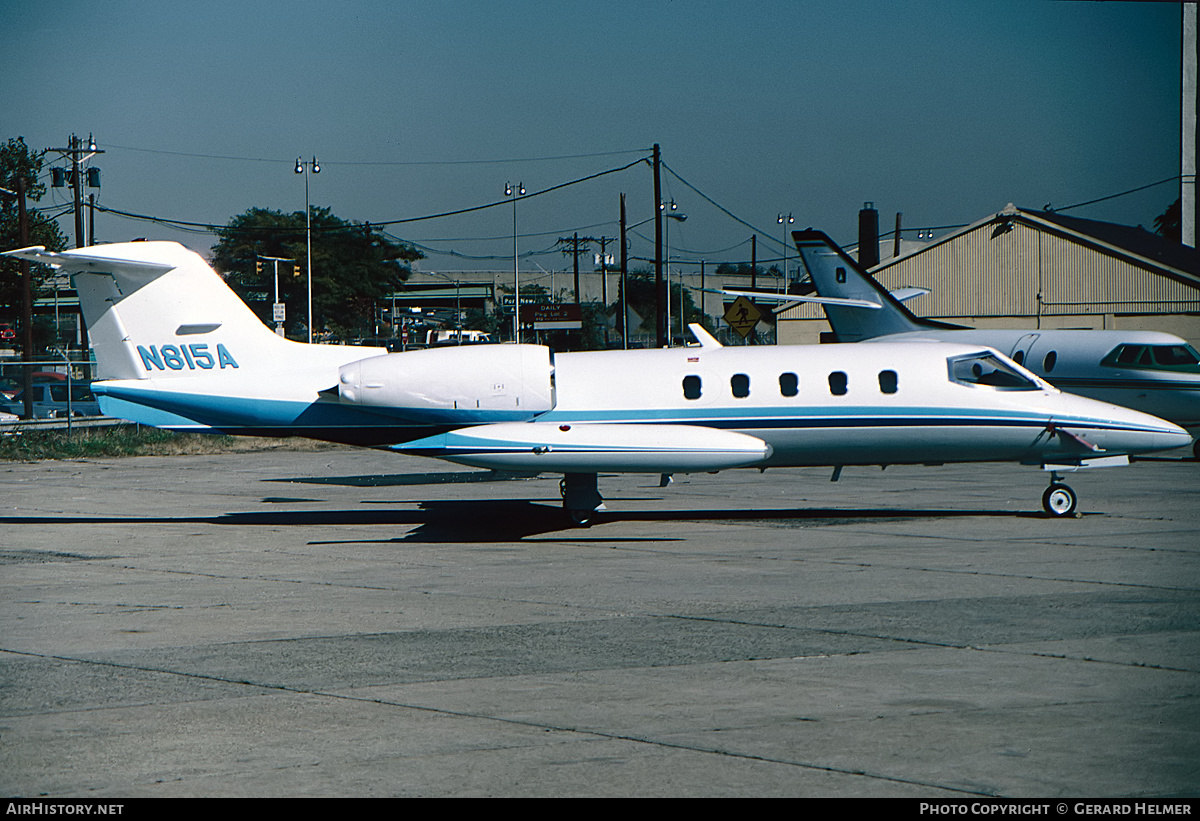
[
  {"x": 1153, "y": 372},
  {"x": 176, "y": 348}
]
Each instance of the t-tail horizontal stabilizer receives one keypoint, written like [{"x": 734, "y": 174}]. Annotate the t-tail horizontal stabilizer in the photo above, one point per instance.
[{"x": 836, "y": 275}]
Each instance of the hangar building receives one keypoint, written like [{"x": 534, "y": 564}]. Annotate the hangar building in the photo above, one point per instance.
[{"x": 1036, "y": 269}]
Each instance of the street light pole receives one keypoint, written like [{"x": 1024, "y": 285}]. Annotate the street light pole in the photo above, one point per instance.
[
  {"x": 515, "y": 193},
  {"x": 785, "y": 221},
  {"x": 671, "y": 215},
  {"x": 303, "y": 167}
]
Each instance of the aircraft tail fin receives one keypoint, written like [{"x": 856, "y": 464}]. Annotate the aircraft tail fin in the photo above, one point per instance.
[
  {"x": 835, "y": 274},
  {"x": 156, "y": 309}
]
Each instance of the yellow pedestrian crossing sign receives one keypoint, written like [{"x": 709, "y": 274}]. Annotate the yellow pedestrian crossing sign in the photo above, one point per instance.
[{"x": 742, "y": 316}]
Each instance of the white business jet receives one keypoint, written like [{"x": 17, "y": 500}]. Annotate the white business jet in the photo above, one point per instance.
[
  {"x": 1154, "y": 372},
  {"x": 176, "y": 349}
]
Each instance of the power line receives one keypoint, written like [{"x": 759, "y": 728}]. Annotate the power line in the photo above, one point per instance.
[
  {"x": 1113, "y": 196},
  {"x": 213, "y": 227},
  {"x": 720, "y": 207},
  {"x": 510, "y": 200},
  {"x": 387, "y": 162}
]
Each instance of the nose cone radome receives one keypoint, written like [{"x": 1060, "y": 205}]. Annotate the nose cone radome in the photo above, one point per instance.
[{"x": 1117, "y": 429}]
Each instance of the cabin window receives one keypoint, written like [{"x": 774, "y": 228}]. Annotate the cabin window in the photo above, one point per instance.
[
  {"x": 1019, "y": 357},
  {"x": 1173, "y": 356},
  {"x": 789, "y": 384},
  {"x": 840, "y": 275},
  {"x": 987, "y": 369},
  {"x": 888, "y": 381},
  {"x": 1157, "y": 357},
  {"x": 1049, "y": 362},
  {"x": 1126, "y": 355},
  {"x": 837, "y": 383},
  {"x": 740, "y": 383},
  {"x": 691, "y": 387}
]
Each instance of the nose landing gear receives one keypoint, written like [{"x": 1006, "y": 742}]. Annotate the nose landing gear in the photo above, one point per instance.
[{"x": 1059, "y": 500}]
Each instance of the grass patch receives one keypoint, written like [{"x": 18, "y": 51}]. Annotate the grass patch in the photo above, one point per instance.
[{"x": 135, "y": 440}]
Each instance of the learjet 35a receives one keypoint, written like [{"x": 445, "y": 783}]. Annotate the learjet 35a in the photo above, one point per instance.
[{"x": 177, "y": 349}]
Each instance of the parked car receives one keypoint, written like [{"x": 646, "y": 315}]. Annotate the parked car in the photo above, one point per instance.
[{"x": 50, "y": 401}]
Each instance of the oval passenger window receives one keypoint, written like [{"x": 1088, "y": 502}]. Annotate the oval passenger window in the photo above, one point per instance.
[
  {"x": 837, "y": 383},
  {"x": 789, "y": 384},
  {"x": 1048, "y": 362}
]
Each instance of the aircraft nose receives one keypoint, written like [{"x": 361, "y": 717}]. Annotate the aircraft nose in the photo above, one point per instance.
[
  {"x": 1155, "y": 434},
  {"x": 1176, "y": 437},
  {"x": 1123, "y": 430}
]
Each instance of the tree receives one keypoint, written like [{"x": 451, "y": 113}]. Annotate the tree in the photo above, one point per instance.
[
  {"x": 16, "y": 160},
  {"x": 641, "y": 287},
  {"x": 1167, "y": 224},
  {"x": 354, "y": 269}
]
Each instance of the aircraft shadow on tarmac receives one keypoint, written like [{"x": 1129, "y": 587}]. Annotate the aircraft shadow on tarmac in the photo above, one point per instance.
[{"x": 459, "y": 521}]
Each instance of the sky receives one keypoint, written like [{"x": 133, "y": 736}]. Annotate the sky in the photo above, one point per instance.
[{"x": 942, "y": 110}]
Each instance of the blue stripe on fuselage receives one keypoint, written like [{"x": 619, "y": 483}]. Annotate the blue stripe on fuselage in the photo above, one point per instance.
[{"x": 171, "y": 409}]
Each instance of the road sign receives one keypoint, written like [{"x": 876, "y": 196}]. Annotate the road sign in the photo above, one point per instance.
[
  {"x": 280, "y": 311},
  {"x": 742, "y": 316},
  {"x": 557, "y": 317}
]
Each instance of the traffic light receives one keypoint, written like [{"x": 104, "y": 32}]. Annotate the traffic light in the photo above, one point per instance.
[{"x": 258, "y": 267}]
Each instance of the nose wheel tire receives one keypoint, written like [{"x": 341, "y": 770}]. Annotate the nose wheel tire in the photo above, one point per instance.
[{"x": 1059, "y": 500}]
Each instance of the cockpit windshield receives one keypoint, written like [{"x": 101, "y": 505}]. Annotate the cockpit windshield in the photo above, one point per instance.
[
  {"x": 987, "y": 369},
  {"x": 1154, "y": 357}
]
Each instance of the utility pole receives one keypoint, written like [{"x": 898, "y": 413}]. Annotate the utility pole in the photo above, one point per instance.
[
  {"x": 754, "y": 261},
  {"x": 604, "y": 284},
  {"x": 624, "y": 284},
  {"x": 660, "y": 288},
  {"x": 576, "y": 244},
  {"x": 78, "y": 154},
  {"x": 754, "y": 279}
]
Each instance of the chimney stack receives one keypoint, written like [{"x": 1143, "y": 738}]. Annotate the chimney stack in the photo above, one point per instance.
[{"x": 868, "y": 236}]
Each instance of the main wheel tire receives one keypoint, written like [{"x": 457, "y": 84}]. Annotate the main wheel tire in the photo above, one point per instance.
[
  {"x": 1059, "y": 500},
  {"x": 581, "y": 518}
]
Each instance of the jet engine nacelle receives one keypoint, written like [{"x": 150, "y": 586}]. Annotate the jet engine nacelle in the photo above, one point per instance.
[{"x": 455, "y": 385}]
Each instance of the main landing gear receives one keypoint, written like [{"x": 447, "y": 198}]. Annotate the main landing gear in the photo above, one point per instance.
[
  {"x": 1059, "y": 500},
  {"x": 581, "y": 497}
]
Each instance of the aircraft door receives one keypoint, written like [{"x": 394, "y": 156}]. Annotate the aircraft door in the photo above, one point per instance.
[{"x": 1020, "y": 351}]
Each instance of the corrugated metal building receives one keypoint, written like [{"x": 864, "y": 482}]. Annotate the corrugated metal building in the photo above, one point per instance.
[{"x": 1039, "y": 269}]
